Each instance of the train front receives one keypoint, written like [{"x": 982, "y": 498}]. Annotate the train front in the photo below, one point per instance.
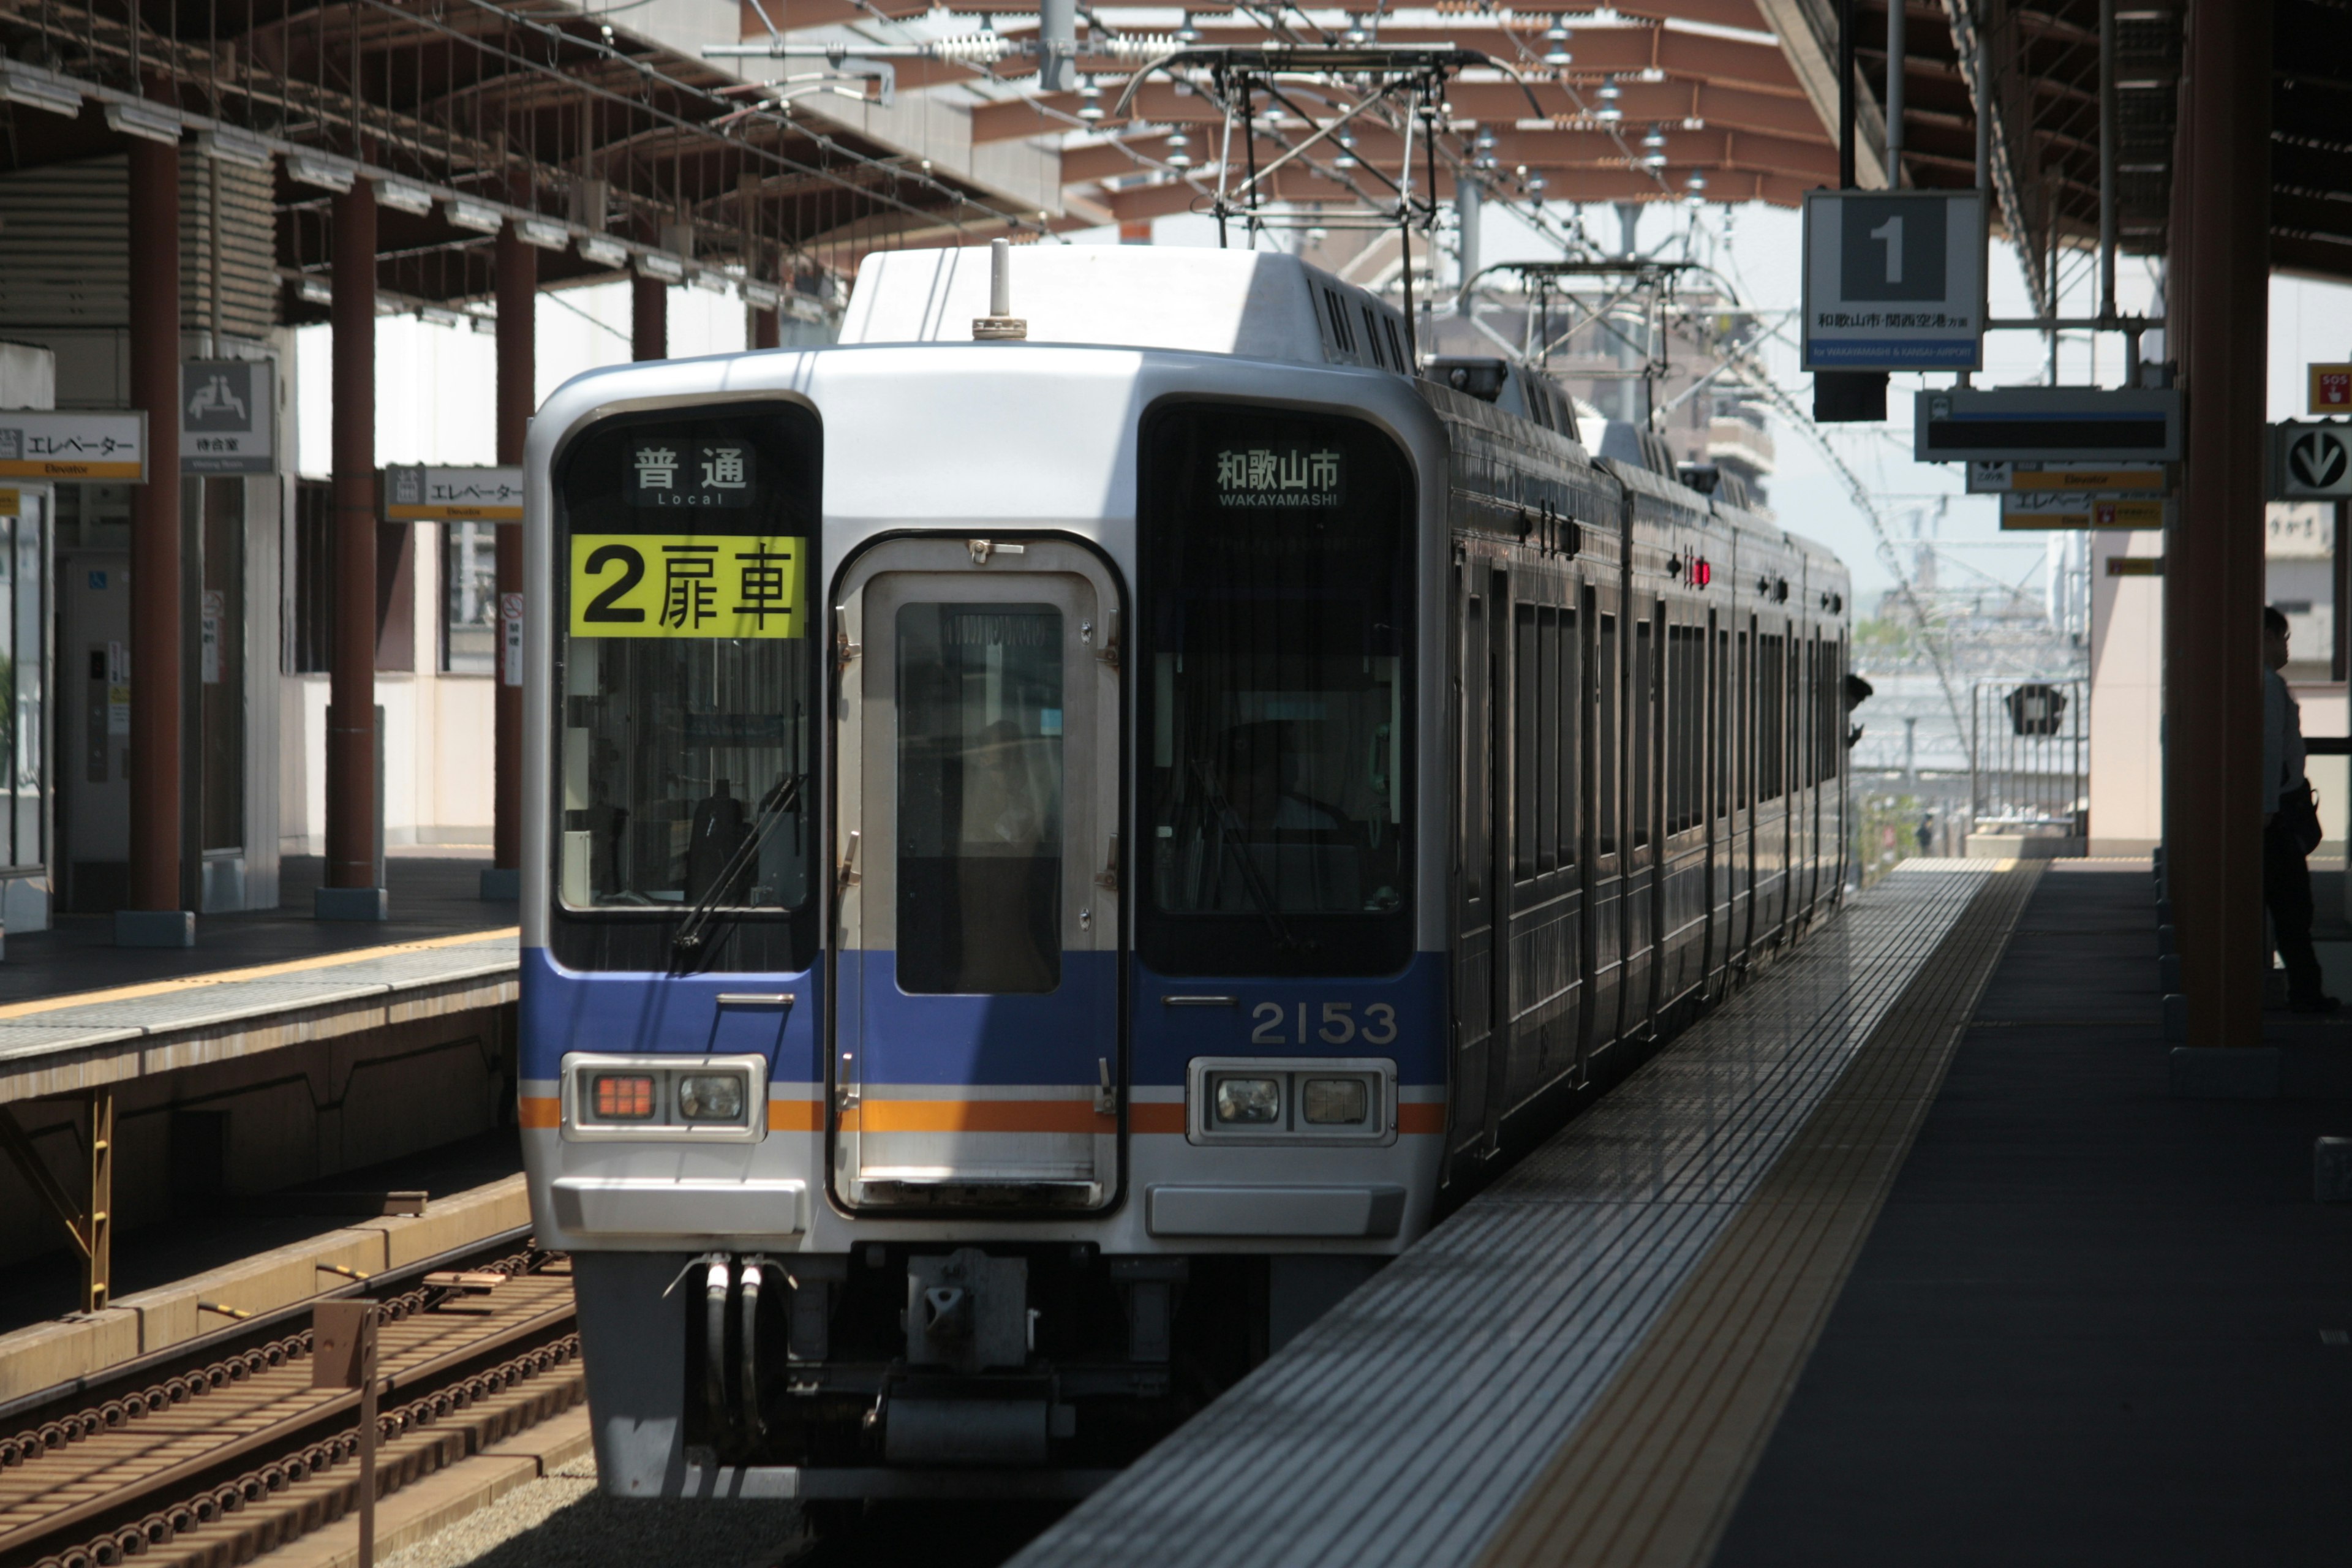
[{"x": 982, "y": 951}]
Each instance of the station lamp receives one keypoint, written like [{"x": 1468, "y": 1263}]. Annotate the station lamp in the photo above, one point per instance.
[
  {"x": 223, "y": 145},
  {"x": 405, "y": 196},
  {"x": 1180, "y": 155},
  {"x": 1654, "y": 149},
  {"x": 1609, "y": 112},
  {"x": 1090, "y": 109}
]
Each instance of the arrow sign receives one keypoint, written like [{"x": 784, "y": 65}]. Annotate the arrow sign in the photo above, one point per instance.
[{"x": 2314, "y": 461}]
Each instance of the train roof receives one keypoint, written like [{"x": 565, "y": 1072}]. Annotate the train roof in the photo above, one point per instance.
[{"x": 1251, "y": 303}]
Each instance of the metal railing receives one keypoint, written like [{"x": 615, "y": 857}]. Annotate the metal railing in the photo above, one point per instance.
[{"x": 2028, "y": 754}]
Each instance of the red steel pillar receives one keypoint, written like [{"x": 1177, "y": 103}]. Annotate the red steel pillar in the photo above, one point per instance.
[
  {"x": 648, "y": 318},
  {"x": 157, "y": 915},
  {"x": 350, "y": 891},
  {"x": 2213, "y": 566},
  {"x": 517, "y": 290}
]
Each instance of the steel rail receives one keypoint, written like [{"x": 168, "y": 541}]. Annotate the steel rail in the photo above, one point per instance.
[{"x": 289, "y": 1432}]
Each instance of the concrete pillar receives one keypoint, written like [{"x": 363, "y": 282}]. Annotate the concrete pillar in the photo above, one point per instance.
[
  {"x": 767, "y": 329},
  {"x": 517, "y": 290},
  {"x": 157, "y": 915},
  {"x": 2213, "y": 567},
  {"x": 648, "y": 318},
  {"x": 352, "y": 891}
]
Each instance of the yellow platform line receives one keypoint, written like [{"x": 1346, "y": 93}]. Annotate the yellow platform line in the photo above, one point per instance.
[
  {"x": 1651, "y": 1476},
  {"x": 258, "y": 971}
]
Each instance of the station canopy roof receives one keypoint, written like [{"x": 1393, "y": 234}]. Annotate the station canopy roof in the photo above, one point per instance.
[{"x": 891, "y": 123}]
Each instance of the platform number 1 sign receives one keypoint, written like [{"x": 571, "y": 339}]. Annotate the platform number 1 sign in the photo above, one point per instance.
[{"x": 1894, "y": 280}]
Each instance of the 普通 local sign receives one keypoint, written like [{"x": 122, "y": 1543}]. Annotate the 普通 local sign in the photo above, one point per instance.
[
  {"x": 76, "y": 446},
  {"x": 1894, "y": 280},
  {"x": 452, "y": 495}
]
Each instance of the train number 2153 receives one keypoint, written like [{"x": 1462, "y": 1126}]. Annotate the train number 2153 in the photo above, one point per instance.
[{"x": 1337, "y": 1025}]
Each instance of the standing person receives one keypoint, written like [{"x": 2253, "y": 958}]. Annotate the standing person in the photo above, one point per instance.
[{"x": 2290, "y": 827}]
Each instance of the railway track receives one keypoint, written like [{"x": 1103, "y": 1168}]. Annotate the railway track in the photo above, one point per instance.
[{"x": 211, "y": 1463}]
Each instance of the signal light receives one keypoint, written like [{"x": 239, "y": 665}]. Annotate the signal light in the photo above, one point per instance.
[
  {"x": 1701, "y": 572},
  {"x": 623, "y": 1098}
]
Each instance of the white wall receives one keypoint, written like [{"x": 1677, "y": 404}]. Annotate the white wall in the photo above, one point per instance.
[{"x": 2127, "y": 697}]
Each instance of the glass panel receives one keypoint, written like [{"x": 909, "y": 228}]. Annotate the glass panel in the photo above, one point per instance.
[
  {"x": 979, "y": 797},
  {"x": 1604, "y": 724},
  {"x": 670, "y": 750},
  {"x": 686, "y": 673},
  {"x": 221, "y": 663},
  {"x": 1276, "y": 578},
  {"x": 469, "y": 597},
  {"x": 1477, "y": 793},
  {"x": 1644, "y": 703},
  {"x": 1523, "y": 745}
]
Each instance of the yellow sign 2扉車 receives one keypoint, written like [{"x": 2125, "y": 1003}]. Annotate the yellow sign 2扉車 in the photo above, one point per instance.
[{"x": 687, "y": 584}]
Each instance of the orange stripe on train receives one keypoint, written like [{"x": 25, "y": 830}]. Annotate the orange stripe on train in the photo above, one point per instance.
[
  {"x": 975, "y": 1116},
  {"x": 540, "y": 1111}
]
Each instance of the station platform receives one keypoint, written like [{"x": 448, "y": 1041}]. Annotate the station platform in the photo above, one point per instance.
[{"x": 1909, "y": 1252}]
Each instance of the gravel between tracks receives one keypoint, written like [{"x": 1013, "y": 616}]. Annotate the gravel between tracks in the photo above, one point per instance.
[{"x": 562, "y": 1522}]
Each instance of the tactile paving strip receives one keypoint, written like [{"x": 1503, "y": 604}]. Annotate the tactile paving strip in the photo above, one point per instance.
[
  {"x": 1406, "y": 1426},
  {"x": 1651, "y": 1476}
]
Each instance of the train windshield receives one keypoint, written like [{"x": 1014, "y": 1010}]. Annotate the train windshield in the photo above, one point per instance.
[
  {"x": 686, "y": 682},
  {"x": 1277, "y": 595}
]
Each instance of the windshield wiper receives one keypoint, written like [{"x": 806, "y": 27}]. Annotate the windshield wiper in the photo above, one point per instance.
[
  {"x": 695, "y": 929},
  {"x": 1253, "y": 880}
]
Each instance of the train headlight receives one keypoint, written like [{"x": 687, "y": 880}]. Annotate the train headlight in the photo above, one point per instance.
[
  {"x": 624, "y": 1097},
  {"x": 1249, "y": 1101},
  {"x": 1333, "y": 1101},
  {"x": 711, "y": 1097}
]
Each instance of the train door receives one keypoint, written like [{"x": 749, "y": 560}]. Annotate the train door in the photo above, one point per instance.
[
  {"x": 1644, "y": 852},
  {"x": 1482, "y": 879},
  {"x": 1540, "y": 966},
  {"x": 977, "y": 1045}
]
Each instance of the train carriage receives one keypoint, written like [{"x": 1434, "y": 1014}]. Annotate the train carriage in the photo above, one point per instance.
[{"x": 1052, "y": 859}]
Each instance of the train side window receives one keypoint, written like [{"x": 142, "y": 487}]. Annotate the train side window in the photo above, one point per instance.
[
  {"x": 1744, "y": 695},
  {"x": 1643, "y": 699},
  {"x": 1604, "y": 737},
  {"x": 1548, "y": 774},
  {"x": 1523, "y": 744},
  {"x": 1478, "y": 791},
  {"x": 1569, "y": 713},
  {"x": 1726, "y": 764}
]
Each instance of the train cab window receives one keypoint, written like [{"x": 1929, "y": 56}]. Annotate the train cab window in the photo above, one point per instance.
[
  {"x": 686, "y": 674},
  {"x": 1276, "y": 595}
]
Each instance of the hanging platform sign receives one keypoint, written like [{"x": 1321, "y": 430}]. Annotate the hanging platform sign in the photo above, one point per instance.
[
  {"x": 2311, "y": 462},
  {"x": 2109, "y": 478},
  {"x": 77, "y": 445},
  {"x": 227, "y": 416},
  {"x": 415, "y": 494},
  {"x": 2031, "y": 509},
  {"x": 2044, "y": 426},
  {"x": 1894, "y": 280}
]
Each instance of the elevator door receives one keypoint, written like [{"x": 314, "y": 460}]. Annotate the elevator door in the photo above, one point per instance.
[{"x": 93, "y": 710}]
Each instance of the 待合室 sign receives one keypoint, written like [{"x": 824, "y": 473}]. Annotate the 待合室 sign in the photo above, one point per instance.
[
  {"x": 2066, "y": 509},
  {"x": 1894, "y": 280},
  {"x": 415, "y": 494},
  {"x": 2331, "y": 389},
  {"x": 76, "y": 446},
  {"x": 2042, "y": 426},
  {"x": 2311, "y": 462},
  {"x": 1997, "y": 479},
  {"x": 227, "y": 416}
]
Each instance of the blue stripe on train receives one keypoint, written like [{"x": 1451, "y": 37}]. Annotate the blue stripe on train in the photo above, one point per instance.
[
  {"x": 564, "y": 1010},
  {"x": 989, "y": 1040}
]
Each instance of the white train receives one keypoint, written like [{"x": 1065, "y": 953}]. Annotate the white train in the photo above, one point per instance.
[{"x": 1052, "y": 858}]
